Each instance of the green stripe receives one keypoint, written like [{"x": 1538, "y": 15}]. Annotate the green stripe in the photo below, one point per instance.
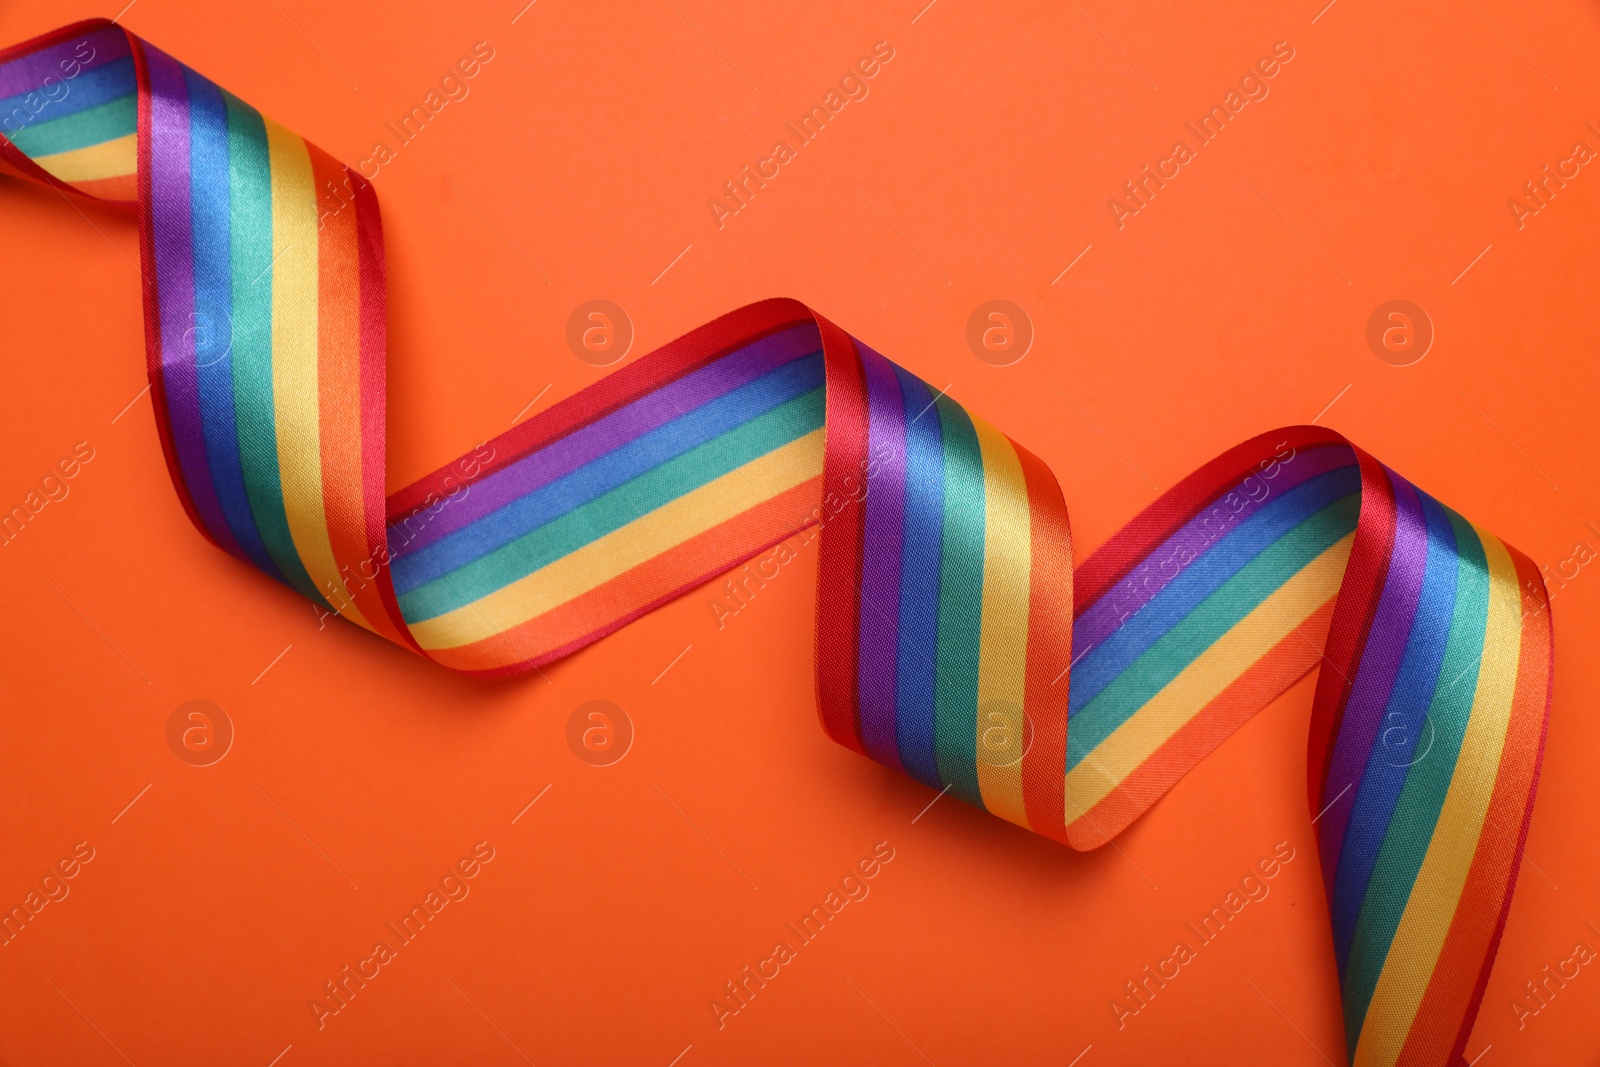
[
  {"x": 250, "y": 205},
  {"x": 91, "y": 126},
  {"x": 1208, "y": 622},
  {"x": 615, "y": 509},
  {"x": 955, "y": 694},
  {"x": 1416, "y": 812}
]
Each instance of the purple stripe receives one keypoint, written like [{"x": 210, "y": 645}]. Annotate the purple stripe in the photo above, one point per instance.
[
  {"x": 1142, "y": 582},
  {"x": 879, "y": 611},
  {"x": 649, "y": 412},
  {"x": 1380, "y": 663},
  {"x": 171, "y": 225},
  {"x": 28, "y": 73}
]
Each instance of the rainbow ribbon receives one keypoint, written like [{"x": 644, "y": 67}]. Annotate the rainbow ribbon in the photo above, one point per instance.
[{"x": 949, "y": 612}]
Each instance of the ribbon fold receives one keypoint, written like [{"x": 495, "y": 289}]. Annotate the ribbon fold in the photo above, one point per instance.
[{"x": 949, "y": 611}]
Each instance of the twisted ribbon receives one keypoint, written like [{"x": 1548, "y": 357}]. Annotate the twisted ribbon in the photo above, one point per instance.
[{"x": 949, "y": 613}]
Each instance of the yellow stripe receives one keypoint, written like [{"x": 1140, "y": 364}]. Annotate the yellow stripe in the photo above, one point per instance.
[
  {"x": 1003, "y": 635},
  {"x": 1437, "y": 890},
  {"x": 1204, "y": 679},
  {"x": 108, "y": 159},
  {"x": 621, "y": 550},
  {"x": 294, "y": 360}
]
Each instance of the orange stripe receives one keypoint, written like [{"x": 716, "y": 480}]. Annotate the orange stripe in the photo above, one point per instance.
[
  {"x": 1468, "y": 949},
  {"x": 606, "y": 607},
  {"x": 124, "y": 187},
  {"x": 1262, "y": 683},
  {"x": 339, "y": 393},
  {"x": 1049, "y": 649}
]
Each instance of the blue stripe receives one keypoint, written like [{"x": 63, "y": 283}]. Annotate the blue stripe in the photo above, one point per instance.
[
  {"x": 605, "y": 473},
  {"x": 213, "y": 315},
  {"x": 1405, "y": 722},
  {"x": 919, "y": 581},
  {"x": 89, "y": 89}
]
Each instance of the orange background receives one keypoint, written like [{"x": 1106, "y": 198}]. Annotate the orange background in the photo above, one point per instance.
[{"x": 219, "y": 903}]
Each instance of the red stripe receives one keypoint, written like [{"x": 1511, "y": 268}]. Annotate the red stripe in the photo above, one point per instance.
[
  {"x": 54, "y": 37},
  {"x": 339, "y": 414},
  {"x": 1049, "y": 648},
  {"x": 372, "y": 337},
  {"x": 843, "y": 527},
  {"x": 1359, "y": 591}
]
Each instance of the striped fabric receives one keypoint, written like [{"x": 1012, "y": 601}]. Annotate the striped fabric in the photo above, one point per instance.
[
  {"x": 71, "y": 108},
  {"x": 956, "y": 639}
]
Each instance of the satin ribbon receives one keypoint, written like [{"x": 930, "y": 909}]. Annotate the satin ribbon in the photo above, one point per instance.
[{"x": 949, "y": 612}]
